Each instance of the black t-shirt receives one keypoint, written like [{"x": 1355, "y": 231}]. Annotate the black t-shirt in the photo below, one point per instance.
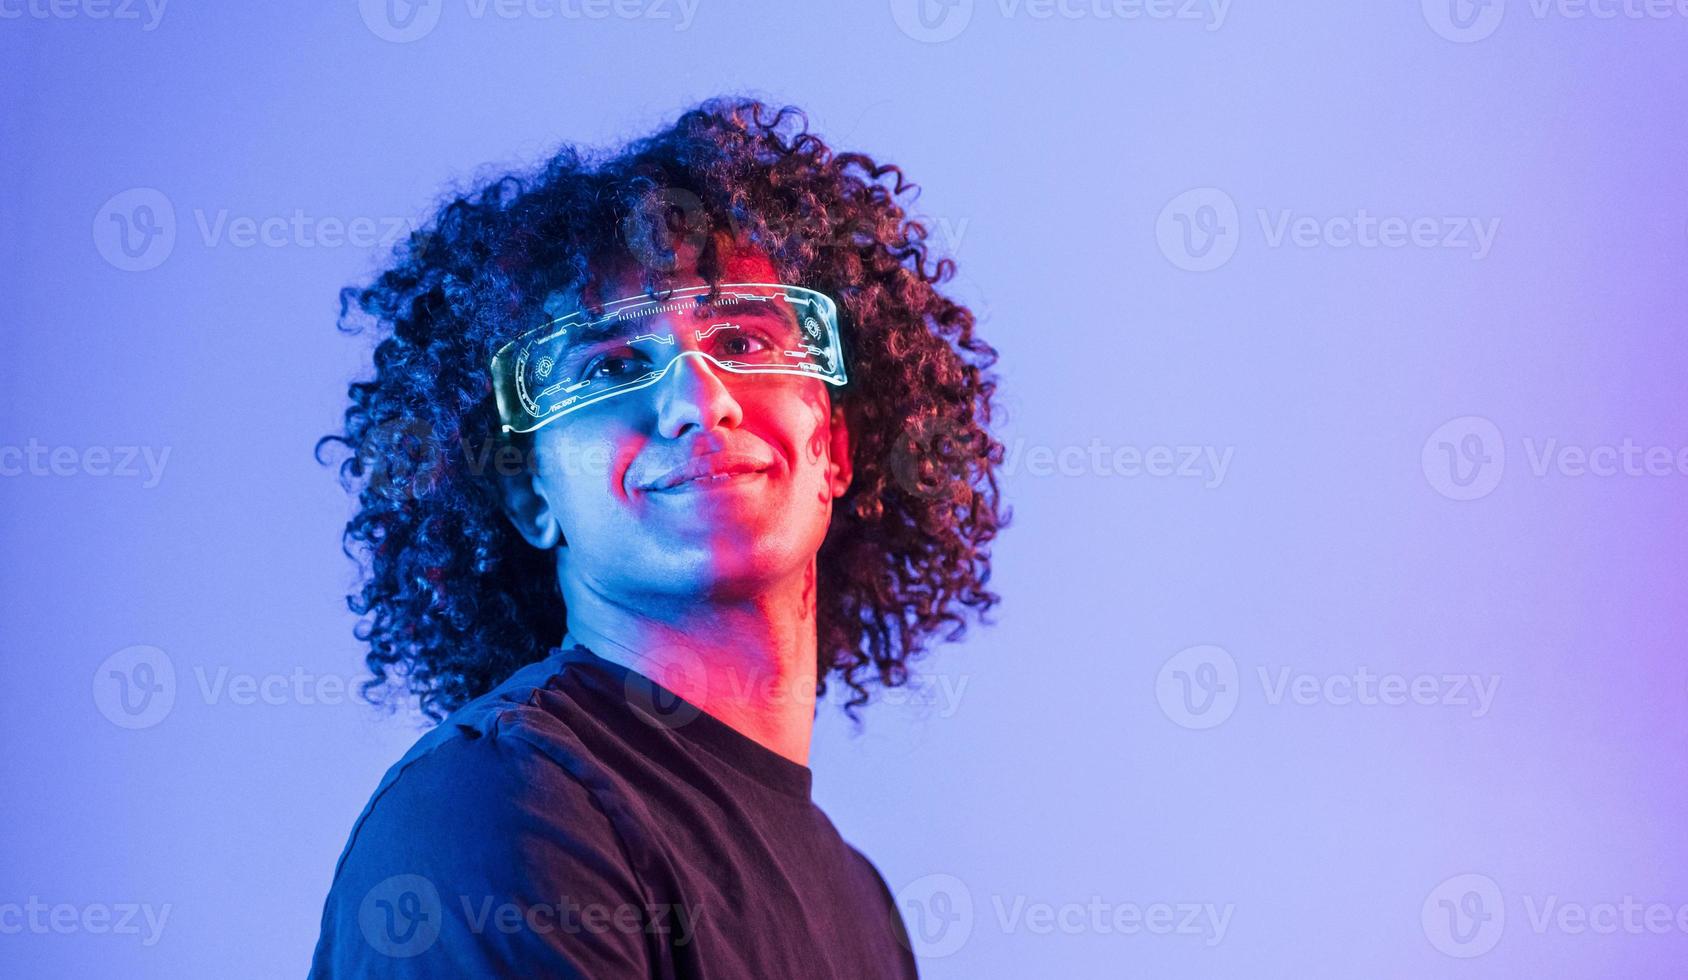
[{"x": 581, "y": 821}]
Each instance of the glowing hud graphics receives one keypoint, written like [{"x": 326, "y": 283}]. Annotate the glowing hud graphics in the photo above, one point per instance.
[{"x": 587, "y": 356}]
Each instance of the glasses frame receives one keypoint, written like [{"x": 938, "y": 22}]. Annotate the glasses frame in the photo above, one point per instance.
[{"x": 520, "y": 410}]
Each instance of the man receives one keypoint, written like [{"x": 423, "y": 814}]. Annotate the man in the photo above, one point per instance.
[{"x": 753, "y": 457}]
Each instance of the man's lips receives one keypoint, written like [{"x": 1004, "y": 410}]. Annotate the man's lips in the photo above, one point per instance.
[{"x": 702, "y": 470}]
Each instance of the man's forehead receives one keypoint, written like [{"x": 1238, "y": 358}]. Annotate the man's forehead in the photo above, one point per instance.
[
  {"x": 750, "y": 266},
  {"x": 744, "y": 265}
]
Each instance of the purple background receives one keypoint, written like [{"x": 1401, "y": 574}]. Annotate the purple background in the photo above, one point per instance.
[{"x": 1070, "y": 785}]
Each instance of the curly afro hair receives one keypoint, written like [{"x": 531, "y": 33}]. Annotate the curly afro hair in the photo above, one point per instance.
[{"x": 453, "y": 600}]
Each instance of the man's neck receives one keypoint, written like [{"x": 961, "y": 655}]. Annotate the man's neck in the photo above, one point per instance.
[{"x": 750, "y": 664}]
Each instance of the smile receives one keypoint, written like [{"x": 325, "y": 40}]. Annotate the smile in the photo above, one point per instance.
[
  {"x": 719, "y": 481},
  {"x": 717, "y": 469}
]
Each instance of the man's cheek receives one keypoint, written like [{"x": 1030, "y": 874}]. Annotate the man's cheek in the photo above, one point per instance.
[{"x": 819, "y": 442}]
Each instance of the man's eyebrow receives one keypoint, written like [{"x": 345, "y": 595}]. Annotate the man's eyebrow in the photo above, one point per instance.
[
  {"x": 597, "y": 326},
  {"x": 766, "y": 309},
  {"x": 604, "y": 328},
  {"x": 598, "y": 329}
]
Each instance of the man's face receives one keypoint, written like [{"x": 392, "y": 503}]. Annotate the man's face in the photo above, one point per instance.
[{"x": 599, "y": 471}]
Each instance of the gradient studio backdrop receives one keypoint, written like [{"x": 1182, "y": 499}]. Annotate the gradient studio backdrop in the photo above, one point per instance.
[{"x": 1343, "y": 603}]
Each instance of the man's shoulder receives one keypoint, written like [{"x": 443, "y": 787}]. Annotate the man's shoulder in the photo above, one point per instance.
[
  {"x": 497, "y": 802},
  {"x": 514, "y": 711},
  {"x": 509, "y": 755},
  {"x": 869, "y": 871}
]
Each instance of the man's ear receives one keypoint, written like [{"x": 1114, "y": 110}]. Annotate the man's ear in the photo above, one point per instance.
[
  {"x": 529, "y": 512},
  {"x": 839, "y": 447}
]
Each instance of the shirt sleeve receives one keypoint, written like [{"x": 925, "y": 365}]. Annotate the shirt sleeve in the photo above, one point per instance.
[
  {"x": 902, "y": 948},
  {"x": 484, "y": 857}
]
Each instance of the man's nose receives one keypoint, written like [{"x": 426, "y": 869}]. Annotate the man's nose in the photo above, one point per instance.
[{"x": 692, "y": 393}]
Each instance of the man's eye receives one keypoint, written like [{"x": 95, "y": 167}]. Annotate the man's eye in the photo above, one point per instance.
[
  {"x": 743, "y": 342},
  {"x": 615, "y": 364}
]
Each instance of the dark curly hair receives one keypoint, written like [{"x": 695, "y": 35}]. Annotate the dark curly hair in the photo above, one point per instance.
[{"x": 453, "y": 600}]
